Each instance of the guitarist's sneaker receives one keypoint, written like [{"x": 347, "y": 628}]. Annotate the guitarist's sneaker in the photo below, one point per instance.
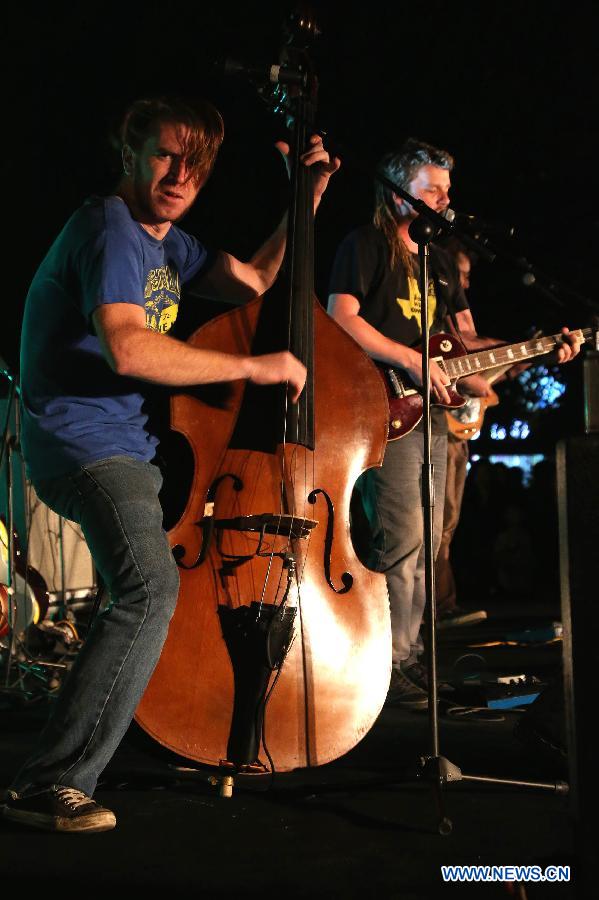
[
  {"x": 404, "y": 693},
  {"x": 459, "y": 616},
  {"x": 60, "y": 808},
  {"x": 409, "y": 687}
]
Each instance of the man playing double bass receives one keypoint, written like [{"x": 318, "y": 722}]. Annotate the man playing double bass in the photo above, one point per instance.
[
  {"x": 374, "y": 295},
  {"x": 94, "y": 341}
]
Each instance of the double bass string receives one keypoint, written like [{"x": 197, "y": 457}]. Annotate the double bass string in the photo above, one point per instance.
[
  {"x": 304, "y": 224},
  {"x": 289, "y": 477},
  {"x": 283, "y": 461}
]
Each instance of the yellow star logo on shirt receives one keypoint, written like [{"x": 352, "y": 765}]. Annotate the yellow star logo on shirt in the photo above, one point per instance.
[{"x": 411, "y": 307}]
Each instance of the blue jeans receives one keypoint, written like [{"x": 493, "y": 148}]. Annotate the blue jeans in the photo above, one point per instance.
[
  {"x": 116, "y": 503},
  {"x": 393, "y": 501}
]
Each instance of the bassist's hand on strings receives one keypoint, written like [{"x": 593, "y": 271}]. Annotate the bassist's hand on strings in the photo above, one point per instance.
[
  {"x": 318, "y": 157},
  {"x": 324, "y": 166},
  {"x": 276, "y": 368}
]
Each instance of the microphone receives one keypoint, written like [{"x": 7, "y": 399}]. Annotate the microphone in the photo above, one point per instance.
[
  {"x": 421, "y": 228},
  {"x": 478, "y": 227},
  {"x": 274, "y": 74}
]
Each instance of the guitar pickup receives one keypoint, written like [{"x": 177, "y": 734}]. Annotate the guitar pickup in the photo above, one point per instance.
[
  {"x": 395, "y": 383},
  {"x": 397, "y": 386}
]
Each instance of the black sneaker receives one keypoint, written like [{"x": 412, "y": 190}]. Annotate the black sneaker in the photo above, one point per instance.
[
  {"x": 417, "y": 676},
  {"x": 459, "y": 616},
  {"x": 403, "y": 693},
  {"x": 60, "y": 808}
]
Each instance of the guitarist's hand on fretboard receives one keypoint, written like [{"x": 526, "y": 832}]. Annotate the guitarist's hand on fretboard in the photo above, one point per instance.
[{"x": 570, "y": 347}]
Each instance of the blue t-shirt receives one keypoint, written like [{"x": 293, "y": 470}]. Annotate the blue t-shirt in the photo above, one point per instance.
[{"x": 76, "y": 410}]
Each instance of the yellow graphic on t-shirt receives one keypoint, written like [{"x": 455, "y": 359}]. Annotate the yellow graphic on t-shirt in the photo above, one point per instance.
[
  {"x": 162, "y": 294},
  {"x": 161, "y": 312},
  {"x": 163, "y": 278},
  {"x": 411, "y": 306}
]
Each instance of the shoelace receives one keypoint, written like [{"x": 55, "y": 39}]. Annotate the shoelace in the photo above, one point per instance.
[{"x": 72, "y": 797}]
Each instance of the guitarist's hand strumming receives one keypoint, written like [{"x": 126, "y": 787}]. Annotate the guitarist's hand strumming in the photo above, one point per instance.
[{"x": 439, "y": 380}]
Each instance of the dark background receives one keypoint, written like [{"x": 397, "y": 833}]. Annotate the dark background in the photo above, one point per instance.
[{"x": 509, "y": 89}]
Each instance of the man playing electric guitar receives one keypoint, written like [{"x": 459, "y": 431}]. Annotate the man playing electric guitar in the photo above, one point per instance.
[{"x": 374, "y": 296}]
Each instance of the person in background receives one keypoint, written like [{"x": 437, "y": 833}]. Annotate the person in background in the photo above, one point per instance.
[{"x": 448, "y": 611}]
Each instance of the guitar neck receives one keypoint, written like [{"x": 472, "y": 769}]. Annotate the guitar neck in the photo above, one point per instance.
[{"x": 508, "y": 355}]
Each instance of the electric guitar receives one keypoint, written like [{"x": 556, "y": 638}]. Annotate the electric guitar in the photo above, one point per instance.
[
  {"x": 465, "y": 422},
  {"x": 405, "y": 398}
]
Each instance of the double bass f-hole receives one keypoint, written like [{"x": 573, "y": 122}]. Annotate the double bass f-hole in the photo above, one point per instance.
[
  {"x": 346, "y": 578},
  {"x": 206, "y": 523}
]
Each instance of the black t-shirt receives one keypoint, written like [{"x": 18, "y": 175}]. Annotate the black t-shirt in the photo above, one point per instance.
[{"x": 390, "y": 298}]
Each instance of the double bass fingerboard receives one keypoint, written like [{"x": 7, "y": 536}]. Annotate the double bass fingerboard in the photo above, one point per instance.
[{"x": 300, "y": 243}]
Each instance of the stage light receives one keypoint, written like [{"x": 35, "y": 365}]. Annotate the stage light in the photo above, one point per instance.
[
  {"x": 542, "y": 388},
  {"x": 519, "y": 429}
]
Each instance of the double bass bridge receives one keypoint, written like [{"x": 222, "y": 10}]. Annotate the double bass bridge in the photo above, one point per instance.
[{"x": 279, "y": 524}]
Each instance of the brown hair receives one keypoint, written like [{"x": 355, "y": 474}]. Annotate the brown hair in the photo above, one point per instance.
[
  {"x": 203, "y": 121},
  {"x": 401, "y": 168}
]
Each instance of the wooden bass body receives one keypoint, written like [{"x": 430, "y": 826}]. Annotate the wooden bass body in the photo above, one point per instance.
[{"x": 335, "y": 674}]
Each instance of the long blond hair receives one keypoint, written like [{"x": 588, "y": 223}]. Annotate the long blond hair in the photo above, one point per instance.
[{"x": 401, "y": 167}]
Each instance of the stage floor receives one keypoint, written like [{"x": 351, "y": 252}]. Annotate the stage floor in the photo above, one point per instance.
[{"x": 359, "y": 826}]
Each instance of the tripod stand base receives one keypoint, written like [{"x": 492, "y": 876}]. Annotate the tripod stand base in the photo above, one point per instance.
[
  {"x": 440, "y": 771},
  {"x": 557, "y": 787}
]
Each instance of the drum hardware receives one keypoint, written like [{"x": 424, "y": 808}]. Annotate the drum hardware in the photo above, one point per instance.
[
  {"x": 39, "y": 629},
  {"x": 24, "y": 598},
  {"x": 7, "y": 550}
]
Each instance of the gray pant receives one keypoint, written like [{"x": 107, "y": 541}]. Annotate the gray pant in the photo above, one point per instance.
[
  {"x": 116, "y": 503},
  {"x": 393, "y": 501}
]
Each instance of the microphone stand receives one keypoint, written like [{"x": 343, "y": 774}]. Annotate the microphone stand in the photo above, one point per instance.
[{"x": 434, "y": 768}]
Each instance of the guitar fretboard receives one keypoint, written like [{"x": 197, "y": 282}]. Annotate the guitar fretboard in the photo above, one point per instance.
[{"x": 510, "y": 354}]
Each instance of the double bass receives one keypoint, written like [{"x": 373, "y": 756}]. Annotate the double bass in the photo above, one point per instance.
[{"x": 280, "y": 645}]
